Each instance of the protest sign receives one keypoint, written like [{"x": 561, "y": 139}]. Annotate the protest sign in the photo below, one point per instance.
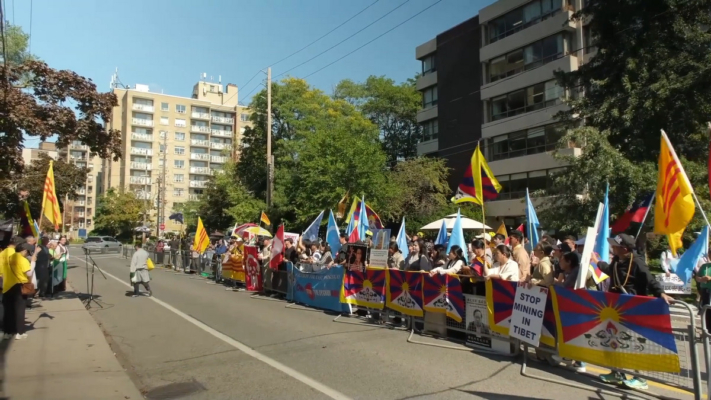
[
  {"x": 379, "y": 251},
  {"x": 672, "y": 284},
  {"x": 253, "y": 277},
  {"x": 527, "y": 316},
  {"x": 355, "y": 259},
  {"x": 320, "y": 289},
  {"x": 479, "y": 333}
]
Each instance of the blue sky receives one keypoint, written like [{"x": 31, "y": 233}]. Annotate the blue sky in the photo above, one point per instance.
[{"x": 167, "y": 44}]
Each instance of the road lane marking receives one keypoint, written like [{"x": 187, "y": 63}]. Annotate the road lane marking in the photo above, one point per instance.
[{"x": 332, "y": 393}]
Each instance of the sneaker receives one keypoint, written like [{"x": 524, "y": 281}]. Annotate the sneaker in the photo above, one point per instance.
[
  {"x": 636, "y": 383},
  {"x": 612, "y": 377},
  {"x": 24, "y": 336}
]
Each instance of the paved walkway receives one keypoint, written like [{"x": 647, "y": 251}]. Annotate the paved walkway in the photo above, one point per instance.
[{"x": 66, "y": 356}]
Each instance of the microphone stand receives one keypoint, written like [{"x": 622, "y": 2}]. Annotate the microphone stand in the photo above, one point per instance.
[{"x": 94, "y": 267}]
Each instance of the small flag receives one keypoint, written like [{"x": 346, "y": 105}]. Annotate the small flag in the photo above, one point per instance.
[
  {"x": 457, "y": 237},
  {"x": 27, "y": 223},
  {"x": 265, "y": 219},
  {"x": 402, "y": 240},
  {"x": 373, "y": 218},
  {"x": 688, "y": 261},
  {"x": 277, "y": 255},
  {"x": 602, "y": 246},
  {"x": 311, "y": 233},
  {"x": 177, "y": 217},
  {"x": 634, "y": 214},
  {"x": 479, "y": 183},
  {"x": 363, "y": 225},
  {"x": 532, "y": 220},
  {"x": 333, "y": 237},
  {"x": 202, "y": 240},
  {"x": 50, "y": 203},
  {"x": 442, "y": 235}
]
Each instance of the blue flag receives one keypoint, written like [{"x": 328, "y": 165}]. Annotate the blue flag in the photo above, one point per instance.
[
  {"x": 402, "y": 240},
  {"x": 311, "y": 233},
  {"x": 688, "y": 260},
  {"x": 332, "y": 235},
  {"x": 351, "y": 227},
  {"x": 602, "y": 246},
  {"x": 532, "y": 220},
  {"x": 177, "y": 217},
  {"x": 363, "y": 225},
  {"x": 457, "y": 237},
  {"x": 442, "y": 235}
]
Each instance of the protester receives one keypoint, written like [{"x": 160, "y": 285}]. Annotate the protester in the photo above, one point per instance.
[
  {"x": 454, "y": 264},
  {"x": 174, "y": 247},
  {"x": 570, "y": 264},
  {"x": 505, "y": 267},
  {"x": 139, "y": 270},
  {"x": 160, "y": 247},
  {"x": 32, "y": 243},
  {"x": 498, "y": 239},
  {"x": 438, "y": 256},
  {"x": 326, "y": 259},
  {"x": 17, "y": 272},
  {"x": 395, "y": 257},
  {"x": 42, "y": 270},
  {"x": 290, "y": 253},
  {"x": 342, "y": 257},
  {"x": 417, "y": 259},
  {"x": 543, "y": 271},
  {"x": 487, "y": 240},
  {"x": 520, "y": 256},
  {"x": 8, "y": 252},
  {"x": 62, "y": 256}
]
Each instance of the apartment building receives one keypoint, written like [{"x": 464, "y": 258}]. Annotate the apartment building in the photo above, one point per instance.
[
  {"x": 79, "y": 213},
  {"x": 173, "y": 144},
  {"x": 31, "y": 154},
  {"x": 521, "y": 44}
]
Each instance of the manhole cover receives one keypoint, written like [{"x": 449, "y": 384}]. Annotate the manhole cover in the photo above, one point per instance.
[{"x": 174, "y": 390}]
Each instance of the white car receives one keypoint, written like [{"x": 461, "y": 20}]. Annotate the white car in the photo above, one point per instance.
[{"x": 102, "y": 244}]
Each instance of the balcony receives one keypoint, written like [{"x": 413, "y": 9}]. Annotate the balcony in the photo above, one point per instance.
[
  {"x": 198, "y": 142},
  {"x": 141, "y": 151},
  {"x": 78, "y": 146},
  {"x": 220, "y": 146},
  {"x": 223, "y": 120},
  {"x": 81, "y": 191},
  {"x": 79, "y": 203},
  {"x": 140, "y": 180},
  {"x": 222, "y": 133},
  {"x": 198, "y": 184},
  {"x": 142, "y": 136},
  {"x": 193, "y": 197},
  {"x": 200, "y": 128},
  {"x": 142, "y": 122},
  {"x": 200, "y": 170},
  {"x": 199, "y": 156},
  {"x": 215, "y": 171},
  {"x": 80, "y": 215},
  {"x": 142, "y": 107},
  {"x": 141, "y": 166},
  {"x": 218, "y": 159},
  {"x": 75, "y": 157},
  {"x": 200, "y": 115}
]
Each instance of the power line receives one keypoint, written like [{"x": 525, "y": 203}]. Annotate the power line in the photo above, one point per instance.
[
  {"x": 344, "y": 40},
  {"x": 371, "y": 41}
]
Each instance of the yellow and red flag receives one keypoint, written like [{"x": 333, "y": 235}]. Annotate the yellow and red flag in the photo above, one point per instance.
[
  {"x": 50, "y": 203},
  {"x": 202, "y": 240},
  {"x": 479, "y": 183},
  {"x": 265, "y": 219},
  {"x": 675, "y": 204}
]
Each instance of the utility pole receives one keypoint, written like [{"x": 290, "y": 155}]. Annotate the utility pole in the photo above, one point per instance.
[
  {"x": 146, "y": 194},
  {"x": 161, "y": 187},
  {"x": 269, "y": 137}
]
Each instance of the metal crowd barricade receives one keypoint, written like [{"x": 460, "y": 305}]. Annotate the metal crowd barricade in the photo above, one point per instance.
[
  {"x": 273, "y": 282},
  {"x": 385, "y": 318},
  {"x": 706, "y": 340},
  {"x": 689, "y": 378}
]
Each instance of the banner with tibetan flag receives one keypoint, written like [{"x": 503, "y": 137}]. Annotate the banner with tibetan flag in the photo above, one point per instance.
[
  {"x": 50, "y": 203},
  {"x": 364, "y": 289},
  {"x": 373, "y": 218},
  {"x": 443, "y": 294},
  {"x": 479, "y": 183},
  {"x": 615, "y": 330},
  {"x": 675, "y": 204},
  {"x": 404, "y": 292}
]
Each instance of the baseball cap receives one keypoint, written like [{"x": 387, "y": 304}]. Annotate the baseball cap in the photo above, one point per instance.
[
  {"x": 368, "y": 233},
  {"x": 622, "y": 240},
  {"x": 484, "y": 236}
]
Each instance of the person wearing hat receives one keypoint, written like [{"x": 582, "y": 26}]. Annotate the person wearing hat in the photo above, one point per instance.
[
  {"x": 629, "y": 274},
  {"x": 487, "y": 251}
]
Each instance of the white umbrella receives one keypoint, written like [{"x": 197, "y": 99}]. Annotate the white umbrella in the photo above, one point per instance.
[{"x": 467, "y": 223}]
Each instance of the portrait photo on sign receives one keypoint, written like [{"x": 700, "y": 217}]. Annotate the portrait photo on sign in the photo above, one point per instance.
[
  {"x": 478, "y": 332},
  {"x": 356, "y": 257}
]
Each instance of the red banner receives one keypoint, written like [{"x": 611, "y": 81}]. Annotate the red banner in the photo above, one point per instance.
[{"x": 253, "y": 275}]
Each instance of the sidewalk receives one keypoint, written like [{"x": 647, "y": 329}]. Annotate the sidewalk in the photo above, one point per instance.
[{"x": 66, "y": 356}]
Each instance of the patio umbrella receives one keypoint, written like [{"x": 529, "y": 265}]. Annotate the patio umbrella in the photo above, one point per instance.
[
  {"x": 467, "y": 223},
  {"x": 258, "y": 231},
  {"x": 238, "y": 231},
  {"x": 143, "y": 229}
]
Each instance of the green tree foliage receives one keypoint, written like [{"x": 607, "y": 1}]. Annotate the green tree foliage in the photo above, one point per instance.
[
  {"x": 118, "y": 213},
  {"x": 392, "y": 107},
  {"x": 421, "y": 187}
]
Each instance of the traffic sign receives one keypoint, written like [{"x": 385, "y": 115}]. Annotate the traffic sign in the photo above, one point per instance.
[{"x": 162, "y": 227}]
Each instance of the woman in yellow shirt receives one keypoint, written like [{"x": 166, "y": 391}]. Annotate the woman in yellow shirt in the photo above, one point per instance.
[{"x": 17, "y": 272}]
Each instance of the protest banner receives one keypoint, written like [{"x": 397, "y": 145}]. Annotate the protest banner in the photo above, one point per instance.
[
  {"x": 320, "y": 289},
  {"x": 379, "y": 251},
  {"x": 478, "y": 326},
  {"x": 293, "y": 236},
  {"x": 527, "y": 316},
  {"x": 365, "y": 289},
  {"x": 672, "y": 284},
  {"x": 404, "y": 292},
  {"x": 253, "y": 276},
  {"x": 356, "y": 257}
]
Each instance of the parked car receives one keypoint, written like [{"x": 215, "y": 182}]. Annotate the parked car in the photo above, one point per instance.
[{"x": 102, "y": 244}]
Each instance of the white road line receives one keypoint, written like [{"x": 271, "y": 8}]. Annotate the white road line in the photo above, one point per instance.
[{"x": 332, "y": 393}]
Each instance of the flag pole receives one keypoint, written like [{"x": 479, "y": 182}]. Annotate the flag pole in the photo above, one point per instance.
[{"x": 693, "y": 193}]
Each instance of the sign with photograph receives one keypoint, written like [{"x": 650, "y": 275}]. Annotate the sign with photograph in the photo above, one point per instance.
[
  {"x": 379, "y": 251},
  {"x": 356, "y": 256},
  {"x": 478, "y": 332}
]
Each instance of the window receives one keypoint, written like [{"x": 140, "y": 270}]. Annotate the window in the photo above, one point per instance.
[
  {"x": 179, "y": 122},
  {"x": 430, "y": 130},
  {"x": 589, "y": 40},
  {"x": 429, "y": 97},
  {"x": 526, "y": 100},
  {"x": 179, "y": 150},
  {"x": 177, "y": 193},
  {"x": 164, "y": 107},
  {"x": 160, "y": 162},
  {"x": 529, "y": 57},
  {"x": 212, "y": 88},
  {"x": 521, "y": 143},
  {"x": 514, "y": 185},
  {"x": 180, "y": 109},
  {"x": 429, "y": 64},
  {"x": 178, "y": 178},
  {"x": 162, "y": 134},
  {"x": 164, "y": 121},
  {"x": 180, "y": 136},
  {"x": 244, "y": 117},
  {"x": 178, "y": 163},
  {"x": 521, "y": 18}
]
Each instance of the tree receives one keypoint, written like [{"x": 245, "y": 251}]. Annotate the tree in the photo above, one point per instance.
[
  {"x": 393, "y": 108},
  {"x": 118, "y": 213},
  {"x": 421, "y": 187}
]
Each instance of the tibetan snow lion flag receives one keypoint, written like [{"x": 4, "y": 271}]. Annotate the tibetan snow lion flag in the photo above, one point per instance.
[
  {"x": 365, "y": 289},
  {"x": 500, "y": 298},
  {"x": 404, "y": 292},
  {"x": 443, "y": 294},
  {"x": 615, "y": 330}
]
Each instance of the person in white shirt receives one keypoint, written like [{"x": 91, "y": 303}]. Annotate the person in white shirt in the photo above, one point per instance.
[
  {"x": 505, "y": 268},
  {"x": 455, "y": 262}
]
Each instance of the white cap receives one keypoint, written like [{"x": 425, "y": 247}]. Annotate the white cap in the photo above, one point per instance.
[{"x": 484, "y": 236}]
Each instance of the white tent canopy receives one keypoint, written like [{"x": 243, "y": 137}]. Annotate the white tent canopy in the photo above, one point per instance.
[{"x": 467, "y": 223}]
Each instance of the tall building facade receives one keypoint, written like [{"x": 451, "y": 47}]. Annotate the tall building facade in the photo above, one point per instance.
[
  {"x": 521, "y": 44},
  {"x": 79, "y": 213}
]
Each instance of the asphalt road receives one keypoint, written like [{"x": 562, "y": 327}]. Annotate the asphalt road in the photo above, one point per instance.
[{"x": 195, "y": 340}]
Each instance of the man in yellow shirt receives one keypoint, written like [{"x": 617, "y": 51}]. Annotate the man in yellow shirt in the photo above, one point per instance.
[
  {"x": 9, "y": 251},
  {"x": 17, "y": 272}
]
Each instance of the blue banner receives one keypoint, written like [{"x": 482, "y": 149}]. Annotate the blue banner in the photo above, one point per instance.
[{"x": 320, "y": 289}]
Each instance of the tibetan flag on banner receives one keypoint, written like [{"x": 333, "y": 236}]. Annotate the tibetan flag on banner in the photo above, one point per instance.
[
  {"x": 253, "y": 274},
  {"x": 404, "y": 292},
  {"x": 615, "y": 330},
  {"x": 479, "y": 183},
  {"x": 373, "y": 218},
  {"x": 435, "y": 289},
  {"x": 549, "y": 330},
  {"x": 50, "y": 203},
  {"x": 364, "y": 289},
  {"x": 500, "y": 298},
  {"x": 202, "y": 240},
  {"x": 455, "y": 298},
  {"x": 597, "y": 274},
  {"x": 675, "y": 204},
  {"x": 265, "y": 219}
]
